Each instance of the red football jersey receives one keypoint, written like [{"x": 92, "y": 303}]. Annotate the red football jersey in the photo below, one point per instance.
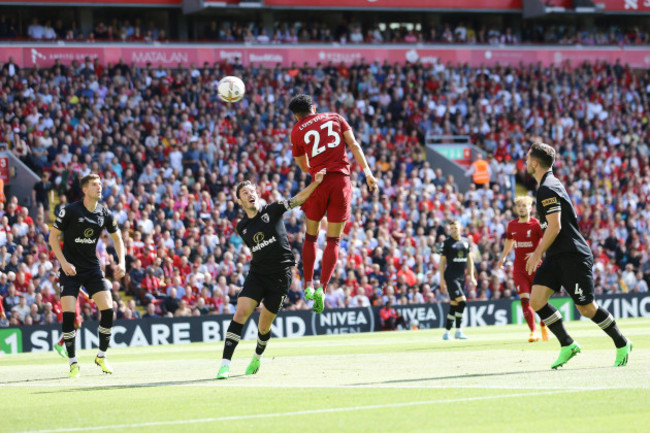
[
  {"x": 526, "y": 237},
  {"x": 320, "y": 137}
]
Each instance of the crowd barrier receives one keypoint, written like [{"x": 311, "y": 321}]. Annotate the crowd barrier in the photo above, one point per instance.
[{"x": 212, "y": 328}]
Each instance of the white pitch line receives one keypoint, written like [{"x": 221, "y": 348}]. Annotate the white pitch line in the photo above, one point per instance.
[
  {"x": 287, "y": 414},
  {"x": 297, "y": 386}
]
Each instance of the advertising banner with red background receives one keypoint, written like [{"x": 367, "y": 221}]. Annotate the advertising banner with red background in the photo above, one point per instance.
[
  {"x": 172, "y": 55},
  {"x": 625, "y": 5},
  {"x": 102, "y": 2},
  {"x": 401, "y": 4}
]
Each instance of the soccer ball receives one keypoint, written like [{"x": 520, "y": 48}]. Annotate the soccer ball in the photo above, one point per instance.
[{"x": 231, "y": 89}]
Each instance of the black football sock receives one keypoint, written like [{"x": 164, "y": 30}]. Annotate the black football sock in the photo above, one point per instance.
[
  {"x": 104, "y": 330},
  {"x": 262, "y": 339},
  {"x": 233, "y": 335},
  {"x": 553, "y": 320},
  {"x": 69, "y": 334},
  {"x": 450, "y": 317},
  {"x": 460, "y": 308},
  {"x": 606, "y": 322}
]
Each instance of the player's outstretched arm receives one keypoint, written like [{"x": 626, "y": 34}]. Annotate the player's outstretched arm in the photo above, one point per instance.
[
  {"x": 68, "y": 268},
  {"x": 119, "y": 249},
  {"x": 303, "y": 195},
  {"x": 361, "y": 158},
  {"x": 506, "y": 250}
]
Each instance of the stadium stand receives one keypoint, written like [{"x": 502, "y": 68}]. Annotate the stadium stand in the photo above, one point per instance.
[{"x": 170, "y": 152}]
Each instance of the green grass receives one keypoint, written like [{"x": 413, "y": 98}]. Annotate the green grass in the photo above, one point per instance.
[{"x": 383, "y": 382}]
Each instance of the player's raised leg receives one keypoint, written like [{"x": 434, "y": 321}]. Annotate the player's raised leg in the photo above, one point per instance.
[
  {"x": 606, "y": 322},
  {"x": 245, "y": 307},
  {"x": 104, "y": 302},
  {"x": 309, "y": 248},
  {"x": 330, "y": 257},
  {"x": 551, "y": 316}
]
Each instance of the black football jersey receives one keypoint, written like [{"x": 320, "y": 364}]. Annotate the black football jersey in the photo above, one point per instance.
[
  {"x": 267, "y": 239},
  {"x": 552, "y": 198},
  {"x": 81, "y": 229},
  {"x": 456, "y": 252}
]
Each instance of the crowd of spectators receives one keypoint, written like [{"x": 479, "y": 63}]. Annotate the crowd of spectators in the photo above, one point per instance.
[
  {"x": 169, "y": 152},
  {"x": 344, "y": 32},
  {"x": 117, "y": 30},
  {"x": 460, "y": 33}
]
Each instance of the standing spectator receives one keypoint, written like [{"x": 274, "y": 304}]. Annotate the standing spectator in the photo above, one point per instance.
[{"x": 43, "y": 193}]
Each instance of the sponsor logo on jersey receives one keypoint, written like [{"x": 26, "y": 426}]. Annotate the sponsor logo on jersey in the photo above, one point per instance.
[
  {"x": 258, "y": 237},
  {"x": 84, "y": 241},
  {"x": 523, "y": 244},
  {"x": 549, "y": 201},
  {"x": 263, "y": 244},
  {"x": 266, "y": 218},
  {"x": 461, "y": 258},
  {"x": 88, "y": 233}
]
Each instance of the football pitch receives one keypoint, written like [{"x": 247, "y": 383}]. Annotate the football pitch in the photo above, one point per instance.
[{"x": 408, "y": 381}]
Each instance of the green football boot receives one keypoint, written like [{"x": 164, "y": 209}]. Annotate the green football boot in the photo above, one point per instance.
[
  {"x": 309, "y": 293},
  {"x": 224, "y": 372},
  {"x": 566, "y": 353},
  {"x": 622, "y": 354},
  {"x": 61, "y": 350},
  {"x": 319, "y": 301},
  {"x": 254, "y": 366}
]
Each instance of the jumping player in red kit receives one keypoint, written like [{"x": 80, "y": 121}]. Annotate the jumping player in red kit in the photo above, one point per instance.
[
  {"x": 524, "y": 233},
  {"x": 318, "y": 143}
]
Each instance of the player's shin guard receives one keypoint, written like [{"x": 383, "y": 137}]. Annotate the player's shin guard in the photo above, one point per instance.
[
  {"x": 309, "y": 256},
  {"x": 262, "y": 340},
  {"x": 450, "y": 317},
  {"x": 69, "y": 334},
  {"x": 529, "y": 314},
  {"x": 606, "y": 322},
  {"x": 460, "y": 308},
  {"x": 330, "y": 257},
  {"x": 104, "y": 330},
  {"x": 233, "y": 335},
  {"x": 553, "y": 319}
]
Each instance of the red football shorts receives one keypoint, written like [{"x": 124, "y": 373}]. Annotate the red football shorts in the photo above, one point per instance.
[
  {"x": 333, "y": 198},
  {"x": 523, "y": 282}
]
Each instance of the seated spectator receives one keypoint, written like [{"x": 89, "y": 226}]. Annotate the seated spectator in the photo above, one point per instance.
[{"x": 390, "y": 320}]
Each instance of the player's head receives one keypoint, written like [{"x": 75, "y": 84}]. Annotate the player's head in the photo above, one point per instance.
[
  {"x": 246, "y": 195},
  {"x": 91, "y": 185},
  {"x": 455, "y": 228},
  {"x": 540, "y": 157},
  {"x": 523, "y": 206},
  {"x": 302, "y": 105}
]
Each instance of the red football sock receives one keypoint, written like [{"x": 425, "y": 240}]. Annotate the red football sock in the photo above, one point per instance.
[
  {"x": 330, "y": 257},
  {"x": 61, "y": 341},
  {"x": 529, "y": 314},
  {"x": 309, "y": 256}
]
